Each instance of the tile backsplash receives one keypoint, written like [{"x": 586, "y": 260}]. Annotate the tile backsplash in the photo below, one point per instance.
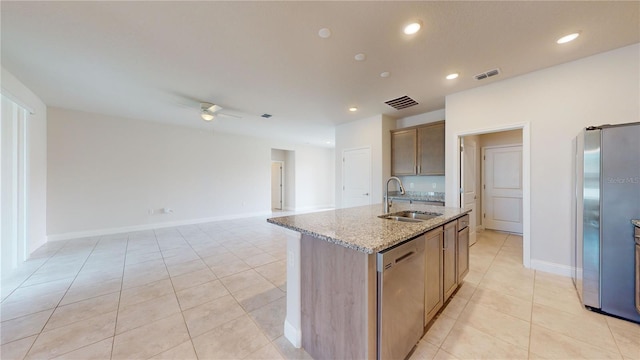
[{"x": 423, "y": 183}]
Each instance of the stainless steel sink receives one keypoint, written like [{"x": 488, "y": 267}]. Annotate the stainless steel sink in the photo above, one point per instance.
[
  {"x": 410, "y": 216},
  {"x": 401, "y": 218}
]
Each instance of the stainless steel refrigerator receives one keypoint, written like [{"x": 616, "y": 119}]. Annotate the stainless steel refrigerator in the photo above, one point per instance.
[{"x": 607, "y": 197}]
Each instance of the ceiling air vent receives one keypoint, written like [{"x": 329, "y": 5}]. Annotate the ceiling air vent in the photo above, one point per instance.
[
  {"x": 266, "y": 116},
  {"x": 487, "y": 74},
  {"x": 402, "y": 102}
]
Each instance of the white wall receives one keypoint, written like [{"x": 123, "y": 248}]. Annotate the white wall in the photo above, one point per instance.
[
  {"x": 105, "y": 173},
  {"x": 425, "y": 118},
  {"x": 278, "y": 155},
  {"x": 290, "y": 179},
  {"x": 371, "y": 132},
  {"x": 315, "y": 168},
  {"x": 556, "y": 103},
  {"x": 37, "y": 158}
]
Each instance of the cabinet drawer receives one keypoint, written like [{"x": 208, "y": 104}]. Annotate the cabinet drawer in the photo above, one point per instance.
[{"x": 463, "y": 222}]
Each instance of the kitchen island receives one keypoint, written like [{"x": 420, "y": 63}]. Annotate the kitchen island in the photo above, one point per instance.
[{"x": 331, "y": 273}]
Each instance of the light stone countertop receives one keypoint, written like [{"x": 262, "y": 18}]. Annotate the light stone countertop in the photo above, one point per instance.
[
  {"x": 361, "y": 229},
  {"x": 636, "y": 222}
]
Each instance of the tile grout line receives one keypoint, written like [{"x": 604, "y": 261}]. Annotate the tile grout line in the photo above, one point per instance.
[
  {"x": 115, "y": 325},
  {"x": 615, "y": 341},
  {"x": 469, "y": 300},
  {"x": 440, "y": 313},
  {"x": 59, "y": 301},
  {"x": 175, "y": 293},
  {"x": 35, "y": 270},
  {"x": 233, "y": 296}
]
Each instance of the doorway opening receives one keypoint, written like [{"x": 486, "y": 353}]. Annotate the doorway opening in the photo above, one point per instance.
[
  {"x": 502, "y": 188},
  {"x": 282, "y": 180},
  {"x": 497, "y": 189},
  {"x": 277, "y": 185}
]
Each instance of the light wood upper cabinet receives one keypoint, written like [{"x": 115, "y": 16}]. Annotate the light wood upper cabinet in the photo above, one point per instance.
[
  {"x": 431, "y": 150},
  {"x": 418, "y": 150},
  {"x": 403, "y": 152}
]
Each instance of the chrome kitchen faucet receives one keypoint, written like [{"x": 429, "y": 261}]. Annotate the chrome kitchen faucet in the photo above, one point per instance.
[{"x": 387, "y": 202}]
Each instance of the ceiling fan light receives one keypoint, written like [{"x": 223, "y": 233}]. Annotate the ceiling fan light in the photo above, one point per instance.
[{"x": 206, "y": 117}]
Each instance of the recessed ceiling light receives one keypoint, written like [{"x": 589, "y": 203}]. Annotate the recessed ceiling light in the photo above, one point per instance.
[
  {"x": 324, "y": 33},
  {"x": 567, "y": 38},
  {"x": 413, "y": 27},
  {"x": 328, "y": 142},
  {"x": 353, "y": 109},
  {"x": 360, "y": 57},
  {"x": 384, "y": 74},
  {"x": 452, "y": 76}
]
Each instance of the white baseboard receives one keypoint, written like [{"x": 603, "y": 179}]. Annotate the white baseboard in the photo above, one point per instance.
[
  {"x": 293, "y": 335},
  {"x": 558, "y": 269},
  {"x": 125, "y": 229}
]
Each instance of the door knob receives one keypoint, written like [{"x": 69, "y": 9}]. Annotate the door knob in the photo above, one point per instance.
[{"x": 366, "y": 194}]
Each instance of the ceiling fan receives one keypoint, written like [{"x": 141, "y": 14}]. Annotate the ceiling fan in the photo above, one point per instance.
[{"x": 209, "y": 111}]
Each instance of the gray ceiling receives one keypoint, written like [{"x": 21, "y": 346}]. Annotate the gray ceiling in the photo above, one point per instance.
[{"x": 156, "y": 60}]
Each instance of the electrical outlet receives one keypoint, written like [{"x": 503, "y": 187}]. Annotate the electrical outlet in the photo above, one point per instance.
[
  {"x": 434, "y": 185},
  {"x": 151, "y": 211},
  {"x": 410, "y": 185}
]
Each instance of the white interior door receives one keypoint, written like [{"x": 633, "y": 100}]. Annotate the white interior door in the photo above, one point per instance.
[
  {"x": 356, "y": 177},
  {"x": 502, "y": 195},
  {"x": 277, "y": 189},
  {"x": 469, "y": 183}
]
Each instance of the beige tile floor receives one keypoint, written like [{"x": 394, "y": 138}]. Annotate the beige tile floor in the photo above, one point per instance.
[
  {"x": 217, "y": 290},
  {"x": 504, "y": 311}
]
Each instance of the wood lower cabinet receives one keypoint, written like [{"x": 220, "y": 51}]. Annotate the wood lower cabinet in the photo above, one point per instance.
[
  {"x": 463, "y": 253},
  {"x": 446, "y": 264},
  {"x": 449, "y": 251},
  {"x": 433, "y": 296}
]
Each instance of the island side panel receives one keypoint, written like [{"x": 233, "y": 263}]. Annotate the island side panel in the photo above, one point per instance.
[{"x": 338, "y": 287}]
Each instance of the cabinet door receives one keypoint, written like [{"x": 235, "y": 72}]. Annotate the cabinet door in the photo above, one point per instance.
[
  {"x": 431, "y": 150},
  {"x": 433, "y": 295},
  {"x": 403, "y": 152},
  {"x": 449, "y": 278},
  {"x": 463, "y": 253}
]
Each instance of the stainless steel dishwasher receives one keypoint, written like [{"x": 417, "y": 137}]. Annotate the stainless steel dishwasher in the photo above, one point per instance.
[{"x": 400, "y": 298}]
